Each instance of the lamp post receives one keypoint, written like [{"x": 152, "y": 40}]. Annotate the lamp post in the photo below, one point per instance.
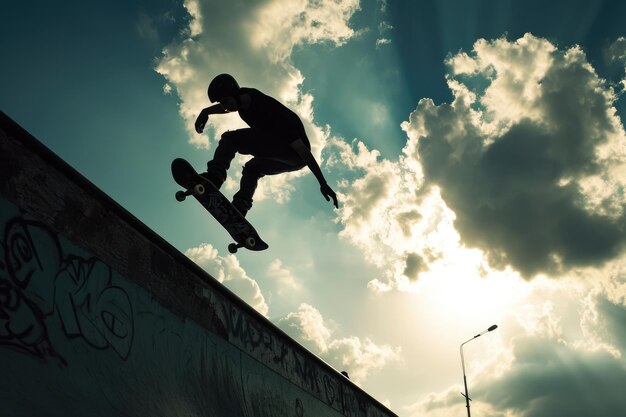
[{"x": 466, "y": 395}]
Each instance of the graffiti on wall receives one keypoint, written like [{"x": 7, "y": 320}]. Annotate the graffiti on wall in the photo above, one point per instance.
[
  {"x": 279, "y": 353},
  {"x": 52, "y": 293},
  {"x": 272, "y": 349},
  {"x": 40, "y": 284}
]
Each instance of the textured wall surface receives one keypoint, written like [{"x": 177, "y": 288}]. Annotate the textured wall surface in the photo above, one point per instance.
[{"x": 99, "y": 316}]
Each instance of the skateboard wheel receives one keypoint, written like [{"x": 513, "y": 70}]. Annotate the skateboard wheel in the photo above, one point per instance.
[
  {"x": 251, "y": 242},
  {"x": 180, "y": 196},
  {"x": 198, "y": 189},
  {"x": 232, "y": 248}
]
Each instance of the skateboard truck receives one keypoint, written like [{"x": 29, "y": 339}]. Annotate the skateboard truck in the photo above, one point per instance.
[
  {"x": 250, "y": 242},
  {"x": 198, "y": 189}
]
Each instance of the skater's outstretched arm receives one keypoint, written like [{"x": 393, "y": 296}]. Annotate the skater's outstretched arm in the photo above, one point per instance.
[
  {"x": 310, "y": 161},
  {"x": 203, "y": 117}
]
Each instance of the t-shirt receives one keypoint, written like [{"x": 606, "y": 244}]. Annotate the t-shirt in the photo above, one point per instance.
[{"x": 269, "y": 115}]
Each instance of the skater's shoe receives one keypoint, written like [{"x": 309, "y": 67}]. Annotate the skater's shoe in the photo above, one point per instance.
[
  {"x": 213, "y": 178},
  {"x": 242, "y": 206}
]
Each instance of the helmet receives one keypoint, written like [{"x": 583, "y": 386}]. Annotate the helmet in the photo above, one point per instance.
[{"x": 223, "y": 85}]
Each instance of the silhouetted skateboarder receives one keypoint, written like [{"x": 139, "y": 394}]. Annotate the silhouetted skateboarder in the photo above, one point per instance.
[{"x": 276, "y": 139}]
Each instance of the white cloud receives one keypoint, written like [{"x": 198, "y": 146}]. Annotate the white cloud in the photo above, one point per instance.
[
  {"x": 228, "y": 271},
  {"x": 400, "y": 226},
  {"x": 361, "y": 357},
  {"x": 285, "y": 281},
  {"x": 383, "y": 29},
  {"x": 196, "y": 23},
  {"x": 382, "y": 41},
  {"x": 358, "y": 357},
  {"x": 280, "y": 25},
  {"x": 617, "y": 51},
  {"x": 615, "y": 55},
  {"x": 515, "y": 70},
  {"x": 310, "y": 327}
]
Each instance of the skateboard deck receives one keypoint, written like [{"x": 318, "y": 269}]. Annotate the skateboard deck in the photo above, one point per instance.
[{"x": 218, "y": 205}]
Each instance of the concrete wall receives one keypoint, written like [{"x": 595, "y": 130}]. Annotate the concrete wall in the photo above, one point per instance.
[{"x": 99, "y": 316}]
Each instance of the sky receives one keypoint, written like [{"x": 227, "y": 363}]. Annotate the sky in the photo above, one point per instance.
[{"x": 477, "y": 148}]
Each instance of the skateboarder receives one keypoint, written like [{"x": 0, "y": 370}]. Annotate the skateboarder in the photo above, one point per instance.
[{"x": 276, "y": 139}]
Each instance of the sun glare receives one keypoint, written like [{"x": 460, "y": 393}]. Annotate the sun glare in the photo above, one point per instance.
[{"x": 463, "y": 286}]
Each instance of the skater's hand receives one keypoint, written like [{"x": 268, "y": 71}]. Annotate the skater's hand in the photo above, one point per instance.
[
  {"x": 328, "y": 193},
  {"x": 203, "y": 117}
]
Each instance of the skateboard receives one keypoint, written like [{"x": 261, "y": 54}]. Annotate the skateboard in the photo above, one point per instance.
[{"x": 214, "y": 201}]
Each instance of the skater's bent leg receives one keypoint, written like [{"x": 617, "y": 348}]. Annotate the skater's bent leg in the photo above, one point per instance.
[
  {"x": 253, "y": 170},
  {"x": 242, "y": 200},
  {"x": 230, "y": 143}
]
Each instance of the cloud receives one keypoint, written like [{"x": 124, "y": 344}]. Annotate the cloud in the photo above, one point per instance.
[
  {"x": 548, "y": 371},
  {"x": 615, "y": 55},
  {"x": 527, "y": 164},
  {"x": 532, "y": 164},
  {"x": 251, "y": 40},
  {"x": 310, "y": 327},
  {"x": 404, "y": 228},
  {"x": 383, "y": 29},
  {"x": 286, "y": 283},
  {"x": 358, "y": 357},
  {"x": 603, "y": 318},
  {"x": 547, "y": 380},
  {"x": 382, "y": 41},
  {"x": 616, "y": 52},
  {"x": 280, "y": 25},
  {"x": 228, "y": 271},
  {"x": 401, "y": 226}
]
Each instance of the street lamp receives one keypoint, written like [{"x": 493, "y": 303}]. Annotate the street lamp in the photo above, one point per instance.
[{"x": 466, "y": 395}]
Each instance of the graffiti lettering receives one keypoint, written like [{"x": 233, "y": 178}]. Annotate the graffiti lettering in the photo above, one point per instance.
[
  {"x": 330, "y": 390},
  {"x": 247, "y": 333},
  {"x": 306, "y": 372},
  {"x": 23, "y": 303},
  {"x": 38, "y": 284},
  {"x": 252, "y": 336},
  {"x": 90, "y": 307}
]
